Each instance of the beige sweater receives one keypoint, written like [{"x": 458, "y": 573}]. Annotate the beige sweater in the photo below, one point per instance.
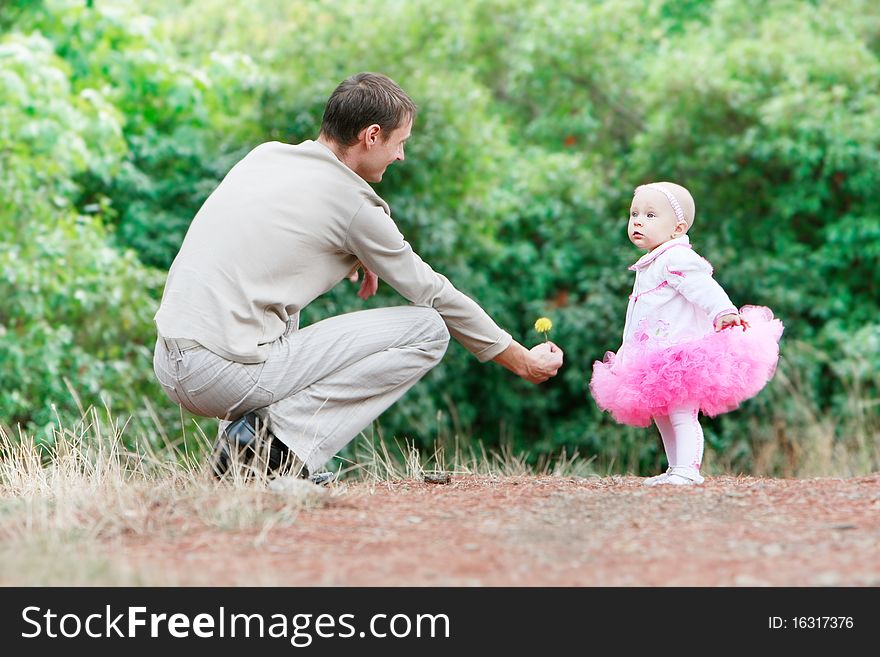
[{"x": 286, "y": 225}]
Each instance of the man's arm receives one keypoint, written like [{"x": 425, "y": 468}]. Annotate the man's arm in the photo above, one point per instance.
[
  {"x": 379, "y": 245},
  {"x": 376, "y": 241},
  {"x": 535, "y": 365}
]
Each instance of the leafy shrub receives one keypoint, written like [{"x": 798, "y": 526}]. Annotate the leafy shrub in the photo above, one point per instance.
[{"x": 537, "y": 120}]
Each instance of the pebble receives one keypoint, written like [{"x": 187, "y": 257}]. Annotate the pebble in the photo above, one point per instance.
[
  {"x": 437, "y": 478},
  {"x": 829, "y": 578},
  {"x": 296, "y": 487},
  {"x": 772, "y": 550}
]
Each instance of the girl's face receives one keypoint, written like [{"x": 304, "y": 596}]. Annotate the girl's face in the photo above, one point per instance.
[{"x": 652, "y": 220}]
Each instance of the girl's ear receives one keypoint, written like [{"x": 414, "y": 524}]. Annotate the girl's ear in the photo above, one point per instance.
[{"x": 680, "y": 229}]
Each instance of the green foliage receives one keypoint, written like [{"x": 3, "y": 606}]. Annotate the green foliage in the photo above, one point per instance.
[
  {"x": 184, "y": 124},
  {"x": 74, "y": 309},
  {"x": 536, "y": 121}
]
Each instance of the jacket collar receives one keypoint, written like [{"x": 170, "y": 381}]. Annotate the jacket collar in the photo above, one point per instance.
[
  {"x": 324, "y": 151},
  {"x": 650, "y": 256}
]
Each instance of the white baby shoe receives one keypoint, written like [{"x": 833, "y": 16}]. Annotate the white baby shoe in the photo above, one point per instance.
[
  {"x": 681, "y": 475},
  {"x": 653, "y": 481}
]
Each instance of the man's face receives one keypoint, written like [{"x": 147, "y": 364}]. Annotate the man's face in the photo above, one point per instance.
[
  {"x": 652, "y": 220},
  {"x": 384, "y": 152}
]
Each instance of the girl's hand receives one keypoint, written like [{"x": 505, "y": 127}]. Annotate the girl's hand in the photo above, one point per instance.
[{"x": 731, "y": 319}]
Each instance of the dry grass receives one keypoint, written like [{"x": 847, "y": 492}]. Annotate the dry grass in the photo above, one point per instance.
[
  {"x": 809, "y": 442},
  {"x": 62, "y": 505},
  {"x": 376, "y": 461},
  {"x": 67, "y": 506}
]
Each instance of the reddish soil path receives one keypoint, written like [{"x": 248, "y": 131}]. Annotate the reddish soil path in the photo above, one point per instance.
[{"x": 526, "y": 531}]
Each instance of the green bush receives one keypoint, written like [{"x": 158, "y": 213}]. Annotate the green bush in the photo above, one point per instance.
[
  {"x": 536, "y": 121},
  {"x": 75, "y": 310}
]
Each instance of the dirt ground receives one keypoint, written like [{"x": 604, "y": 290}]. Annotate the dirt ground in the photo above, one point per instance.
[{"x": 547, "y": 531}]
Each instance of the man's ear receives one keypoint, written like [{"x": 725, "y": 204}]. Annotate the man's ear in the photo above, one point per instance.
[{"x": 370, "y": 135}]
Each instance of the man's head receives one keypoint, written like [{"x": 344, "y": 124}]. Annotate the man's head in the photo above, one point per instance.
[{"x": 367, "y": 120}]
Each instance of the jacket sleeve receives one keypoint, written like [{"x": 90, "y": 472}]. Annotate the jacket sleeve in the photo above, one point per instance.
[
  {"x": 376, "y": 241},
  {"x": 691, "y": 276}
]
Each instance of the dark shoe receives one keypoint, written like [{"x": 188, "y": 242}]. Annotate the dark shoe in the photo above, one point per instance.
[
  {"x": 247, "y": 446},
  {"x": 235, "y": 443}
]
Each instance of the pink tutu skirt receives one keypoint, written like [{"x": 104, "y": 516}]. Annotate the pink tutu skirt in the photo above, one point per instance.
[{"x": 716, "y": 371}]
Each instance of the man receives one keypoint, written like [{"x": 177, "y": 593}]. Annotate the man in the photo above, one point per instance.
[{"x": 285, "y": 225}]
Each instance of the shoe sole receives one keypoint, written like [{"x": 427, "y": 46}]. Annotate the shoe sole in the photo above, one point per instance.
[
  {"x": 322, "y": 478},
  {"x": 679, "y": 481}
]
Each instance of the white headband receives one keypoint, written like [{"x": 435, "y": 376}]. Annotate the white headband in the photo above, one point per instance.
[{"x": 676, "y": 208}]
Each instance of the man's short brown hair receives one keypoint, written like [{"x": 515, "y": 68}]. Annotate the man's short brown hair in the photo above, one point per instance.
[{"x": 362, "y": 100}]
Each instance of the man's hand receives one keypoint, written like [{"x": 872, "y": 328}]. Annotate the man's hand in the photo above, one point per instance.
[
  {"x": 535, "y": 365},
  {"x": 370, "y": 284},
  {"x": 731, "y": 319},
  {"x": 544, "y": 361}
]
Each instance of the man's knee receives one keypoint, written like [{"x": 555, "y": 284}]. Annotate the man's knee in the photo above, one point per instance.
[{"x": 435, "y": 330}]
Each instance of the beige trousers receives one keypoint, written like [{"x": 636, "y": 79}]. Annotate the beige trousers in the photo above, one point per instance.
[{"x": 320, "y": 386}]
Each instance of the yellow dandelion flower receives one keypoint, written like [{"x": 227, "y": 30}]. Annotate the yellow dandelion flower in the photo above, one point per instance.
[{"x": 543, "y": 325}]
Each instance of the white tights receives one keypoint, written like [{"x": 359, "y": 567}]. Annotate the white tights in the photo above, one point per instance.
[{"x": 682, "y": 436}]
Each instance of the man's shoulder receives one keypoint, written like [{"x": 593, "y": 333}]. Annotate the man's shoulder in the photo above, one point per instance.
[
  {"x": 304, "y": 147},
  {"x": 321, "y": 168},
  {"x": 307, "y": 157}
]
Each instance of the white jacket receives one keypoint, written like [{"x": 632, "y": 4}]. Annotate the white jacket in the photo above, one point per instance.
[{"x": 674, "y": 298}]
